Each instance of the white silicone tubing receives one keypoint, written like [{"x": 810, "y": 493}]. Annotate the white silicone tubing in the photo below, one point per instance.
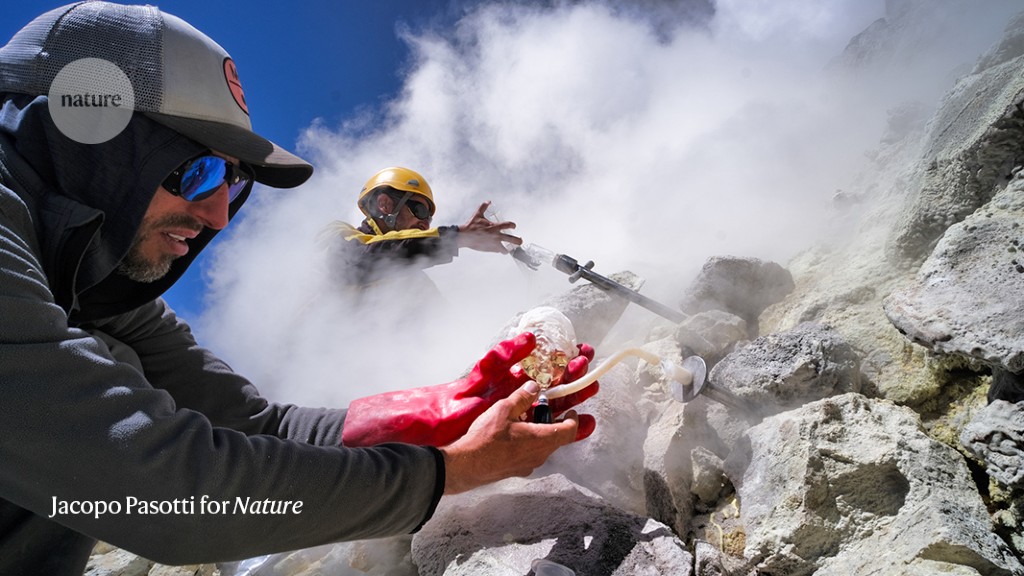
[{"x": 670, "y": 370}]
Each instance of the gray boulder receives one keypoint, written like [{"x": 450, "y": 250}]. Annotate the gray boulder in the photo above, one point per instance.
[
  {"x": 668, "y": 472},
  {"x": 500, "y": 530},
  {"x": 709, "y": 480},
  {"x": 711, "y": 335},
  {"x": 376, "y": 557},
  {"x": 116, "y": 562},
  {"x": 787, "y": 369},
  {"x": 682, "y": 461},
  {"x": 851, "y": 485},
  {"x": 708, "y": 561},
  {"x": 740, "y": 286}
]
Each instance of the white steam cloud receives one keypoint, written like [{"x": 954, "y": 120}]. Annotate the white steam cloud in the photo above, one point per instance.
[{"x": 603, "y": 138}]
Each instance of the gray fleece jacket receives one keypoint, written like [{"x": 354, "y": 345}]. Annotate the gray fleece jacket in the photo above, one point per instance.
[{"x": 114, "y": 423}]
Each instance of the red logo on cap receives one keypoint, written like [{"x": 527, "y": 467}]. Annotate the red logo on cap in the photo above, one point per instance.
[{"x": 234, "y": 84}]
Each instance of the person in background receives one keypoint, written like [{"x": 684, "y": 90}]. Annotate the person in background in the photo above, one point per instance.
[
  {"x": 116, "y": 424},
  {"x": 393, "y": 245}
]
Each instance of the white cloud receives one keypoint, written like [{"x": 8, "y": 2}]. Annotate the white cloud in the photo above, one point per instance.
[
  {"x": 800, "y": 20},
  {"x": 600, "y": 138}
]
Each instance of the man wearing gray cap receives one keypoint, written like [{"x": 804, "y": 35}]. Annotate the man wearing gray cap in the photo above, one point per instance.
[{"x": 125, "y": 146}]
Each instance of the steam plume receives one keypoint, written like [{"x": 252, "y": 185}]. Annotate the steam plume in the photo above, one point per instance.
[{"x": 647, "y": 146}]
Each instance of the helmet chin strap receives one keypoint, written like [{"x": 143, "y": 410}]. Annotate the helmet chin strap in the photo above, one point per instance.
[
  {"x": 376, "y": 229},
  {"x": 391, "y": 219}
]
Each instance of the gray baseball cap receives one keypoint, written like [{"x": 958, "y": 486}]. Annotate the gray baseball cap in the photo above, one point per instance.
[{"x": 180, "y": 77}]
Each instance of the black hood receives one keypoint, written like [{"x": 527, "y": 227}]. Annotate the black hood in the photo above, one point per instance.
[{"x": 88, "y": 201}]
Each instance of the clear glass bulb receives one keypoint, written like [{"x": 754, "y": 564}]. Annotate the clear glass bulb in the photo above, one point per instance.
[
  {"x": 545, "y": 367},
  {"x": 556, "y": 345}
]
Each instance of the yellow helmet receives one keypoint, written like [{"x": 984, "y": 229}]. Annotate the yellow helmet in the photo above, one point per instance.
[{"x": 398, "y": 178}]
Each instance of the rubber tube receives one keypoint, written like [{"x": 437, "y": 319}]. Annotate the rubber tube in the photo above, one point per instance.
[{"x": 669, "y": 369}]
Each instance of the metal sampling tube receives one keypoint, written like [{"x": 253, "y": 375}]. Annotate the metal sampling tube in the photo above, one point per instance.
[
  {"x": 575, "y": 271},
  {"x": 533, "y": 256}
]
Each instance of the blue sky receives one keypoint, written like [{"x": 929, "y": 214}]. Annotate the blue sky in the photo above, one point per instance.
[{"x": 298, "y": 61}]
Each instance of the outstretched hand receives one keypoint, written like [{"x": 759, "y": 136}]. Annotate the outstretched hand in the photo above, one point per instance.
[{"x": 479, "y": 233}]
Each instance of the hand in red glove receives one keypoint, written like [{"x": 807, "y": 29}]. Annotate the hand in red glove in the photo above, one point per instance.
[{"x": 438, "y": 415}]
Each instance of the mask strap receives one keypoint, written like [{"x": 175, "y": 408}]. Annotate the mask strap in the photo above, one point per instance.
[{"x": 391, "y": 219}]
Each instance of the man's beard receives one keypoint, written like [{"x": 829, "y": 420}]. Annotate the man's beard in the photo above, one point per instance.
[
  {"x": 137, "y": 268},
  {"x": 135, "y": 265}
]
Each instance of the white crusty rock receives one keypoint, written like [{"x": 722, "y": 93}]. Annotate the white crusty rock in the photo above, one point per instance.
[
  {"x": 995, "y": 436},
  {"x": 852, "y": 485},
  {"x": 968, "y": 294},
  {"x": 967, "y": 154}
]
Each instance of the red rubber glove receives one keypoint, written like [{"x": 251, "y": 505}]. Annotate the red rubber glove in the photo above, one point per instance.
[{"x": 439, "y": 415}]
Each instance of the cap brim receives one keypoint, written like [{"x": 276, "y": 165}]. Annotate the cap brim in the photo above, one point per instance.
[{"x": 273, "y": 165}]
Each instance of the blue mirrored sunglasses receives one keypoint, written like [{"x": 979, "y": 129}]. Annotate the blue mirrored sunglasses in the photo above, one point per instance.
[{"x": 201, "y": 177}]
